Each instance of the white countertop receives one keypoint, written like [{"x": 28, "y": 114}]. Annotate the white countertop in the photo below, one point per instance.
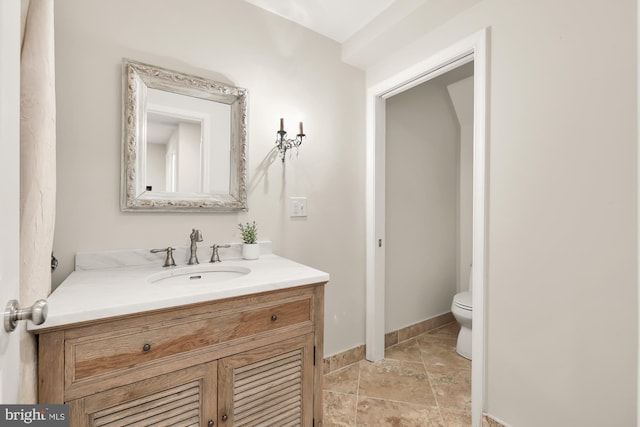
[{"x": 107, "y": 292}]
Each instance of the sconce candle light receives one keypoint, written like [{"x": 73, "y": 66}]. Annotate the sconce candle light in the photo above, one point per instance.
[{"x": 284, "y": 144}]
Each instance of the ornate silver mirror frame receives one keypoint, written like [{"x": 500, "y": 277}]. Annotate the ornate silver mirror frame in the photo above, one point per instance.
[{"x": 136, "y": 195}]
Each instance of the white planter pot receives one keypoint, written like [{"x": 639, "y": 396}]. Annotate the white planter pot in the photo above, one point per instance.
[{"x": 250, "y": 251}]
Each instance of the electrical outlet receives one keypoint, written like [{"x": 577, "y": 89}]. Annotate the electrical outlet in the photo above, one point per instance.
[{"x": 297, "y": 207}]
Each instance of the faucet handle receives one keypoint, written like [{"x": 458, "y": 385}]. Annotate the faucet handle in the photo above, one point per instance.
[
  {"x": 196, "y": 235},
  {"x": 214, "y": 255},
  {"x": 169, "y": 261}
]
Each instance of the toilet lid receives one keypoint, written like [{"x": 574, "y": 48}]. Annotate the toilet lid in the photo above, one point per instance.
[{"x": 463, "y": 300}]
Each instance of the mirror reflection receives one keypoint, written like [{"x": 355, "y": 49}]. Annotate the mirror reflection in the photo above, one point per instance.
[
  {"x": 184, "y": 141},
  {"x": 166, "y": 137},
  {"x": 188, "y": 144}
]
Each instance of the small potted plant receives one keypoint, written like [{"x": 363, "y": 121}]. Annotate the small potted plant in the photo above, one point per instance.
[{"x": 250, "y": 247}]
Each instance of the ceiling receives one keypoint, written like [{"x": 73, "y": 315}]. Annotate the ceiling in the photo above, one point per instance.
[{"x": 336, "y": 19}]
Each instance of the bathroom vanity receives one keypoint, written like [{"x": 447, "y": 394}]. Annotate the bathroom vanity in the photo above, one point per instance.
[{"x": 241, "y": 351}]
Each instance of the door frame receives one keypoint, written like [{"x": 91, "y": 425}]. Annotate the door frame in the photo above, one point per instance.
[
  {"x": 10, "y": 194},
  {"x": 638, "y": 209},
  {"x": 471, "y": 48}
]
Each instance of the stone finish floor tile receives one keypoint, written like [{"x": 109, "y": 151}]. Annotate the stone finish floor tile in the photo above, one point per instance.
[
  {"x": 407, "y": 351},
  {"x": 377, "y": 412},
  {"x": 453, "y": 390},
  {"x": 396, "y": 380},
  {"x": 421, "y": 382},
  {"x": 343, "y": 380},
  {"x": 456, "y": 418},
  {"x": 339, "y": 409},
  {"x": 439, "y": 354}
]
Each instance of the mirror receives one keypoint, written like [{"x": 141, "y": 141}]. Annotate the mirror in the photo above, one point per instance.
[{"x": 184, "y": 142}]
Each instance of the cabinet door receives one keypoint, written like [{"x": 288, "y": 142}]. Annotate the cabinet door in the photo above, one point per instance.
[
  {"x": 182, "y": 398},
  {"x": 269, "y": 386}
]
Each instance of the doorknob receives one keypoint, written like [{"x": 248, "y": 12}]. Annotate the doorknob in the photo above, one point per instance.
[{"x": 37, "y": 313}]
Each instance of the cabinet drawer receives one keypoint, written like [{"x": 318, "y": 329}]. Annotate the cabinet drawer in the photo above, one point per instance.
[{"x": 97, "y": 355}]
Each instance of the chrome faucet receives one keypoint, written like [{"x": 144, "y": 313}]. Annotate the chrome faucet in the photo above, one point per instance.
[
  {"x": 214, "y": 256},
  {"x": 196, "y": 236}
]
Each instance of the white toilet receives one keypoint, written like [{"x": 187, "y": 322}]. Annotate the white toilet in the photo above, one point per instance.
[{"x": 461, "y": 308}]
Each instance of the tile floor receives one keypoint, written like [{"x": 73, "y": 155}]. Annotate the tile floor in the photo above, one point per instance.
[{"x": 421, "y": 382}]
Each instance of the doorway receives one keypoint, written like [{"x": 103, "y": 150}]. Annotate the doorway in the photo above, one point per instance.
[
  {"x": 428, "y": 180},
  {"x": 473, "y": 48}
]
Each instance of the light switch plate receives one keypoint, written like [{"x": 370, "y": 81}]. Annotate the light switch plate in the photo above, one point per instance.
[{"x": 297, "y": 207}]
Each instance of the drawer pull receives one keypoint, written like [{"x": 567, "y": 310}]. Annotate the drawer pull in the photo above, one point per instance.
[
  {"x": 225, "y": 417},
  {"x": 146, "y": 347},
  {"x": 210, "y": 423},
  {"x": 274, "y": 317}
]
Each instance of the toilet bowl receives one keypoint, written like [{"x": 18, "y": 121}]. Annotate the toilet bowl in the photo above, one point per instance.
[{"x": 461, "y": 309}]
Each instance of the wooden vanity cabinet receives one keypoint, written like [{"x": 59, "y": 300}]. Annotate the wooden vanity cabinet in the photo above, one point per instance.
[{"x": 254, "y": 360}]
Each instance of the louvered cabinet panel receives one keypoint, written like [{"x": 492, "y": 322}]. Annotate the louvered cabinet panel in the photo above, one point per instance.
[
  {"x": 268, "y": 386},
  {"x": 182, "y": 398}
]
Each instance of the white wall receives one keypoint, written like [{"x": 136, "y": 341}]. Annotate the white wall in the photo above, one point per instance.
[
  {"x": 290, "y": 72},
  {"x": 422, "y": 156},
  {"x": 461, "y": 93},
  {"x": 156, "y": 169},
  {"x": 561, "y": 297},
  {"x": 189, "y": 158}
]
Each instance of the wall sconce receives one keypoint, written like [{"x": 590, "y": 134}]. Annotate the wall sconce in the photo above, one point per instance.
[{"x": 284, "y": 144}]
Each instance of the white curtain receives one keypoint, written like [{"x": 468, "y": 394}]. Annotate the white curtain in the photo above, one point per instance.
[{"x": 37, "y": 172}]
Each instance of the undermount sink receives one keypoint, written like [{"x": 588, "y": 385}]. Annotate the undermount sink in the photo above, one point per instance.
[{"x": 199, "y": 274}]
